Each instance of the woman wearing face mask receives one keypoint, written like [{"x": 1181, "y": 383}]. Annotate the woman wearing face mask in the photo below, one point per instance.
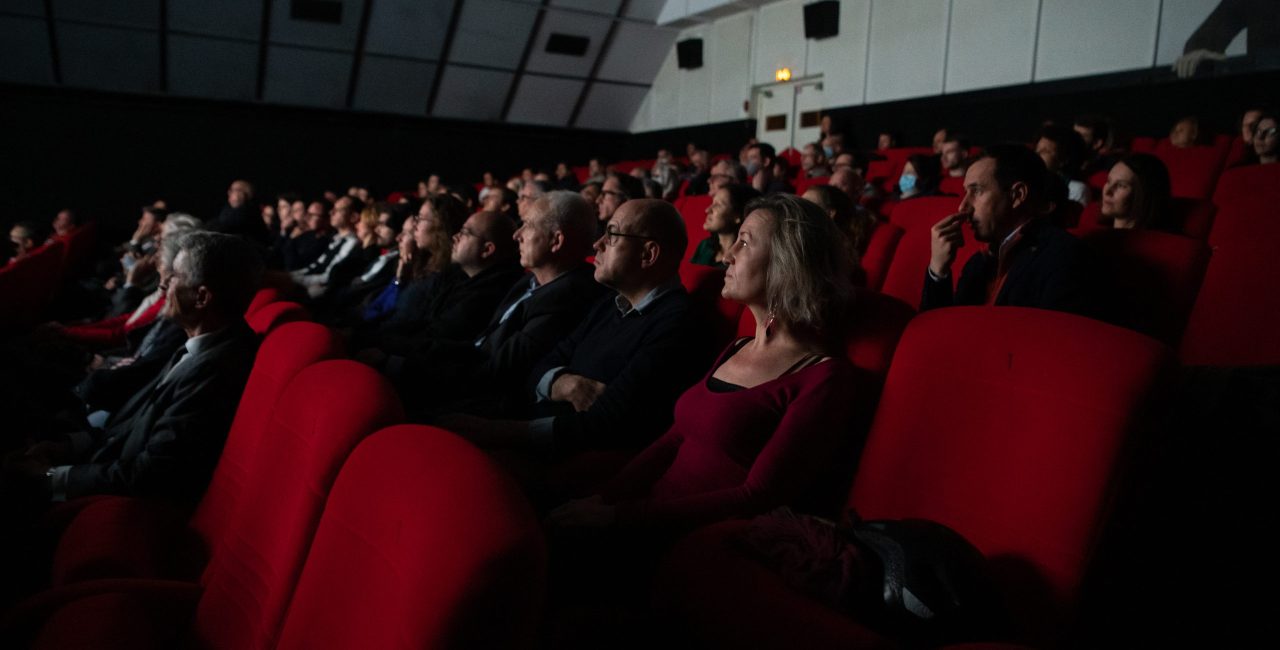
[
  {"x": 1136, "y": 195},
  {"x": 724, "y": 217},
  {"x": 920, "y": 177}
]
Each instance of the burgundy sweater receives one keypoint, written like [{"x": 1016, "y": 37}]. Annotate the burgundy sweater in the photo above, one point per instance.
[{"x": 741, "y": 453}]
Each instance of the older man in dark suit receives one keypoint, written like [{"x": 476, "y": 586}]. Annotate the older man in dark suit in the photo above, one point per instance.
[{"x": 165, "y": 441}]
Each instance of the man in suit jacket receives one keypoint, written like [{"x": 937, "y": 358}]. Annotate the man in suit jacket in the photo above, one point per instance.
[
  {"x": 165, "y": 441},
  {"x": 1028, "y": 262},
  {"x": 484, "y": 375}
]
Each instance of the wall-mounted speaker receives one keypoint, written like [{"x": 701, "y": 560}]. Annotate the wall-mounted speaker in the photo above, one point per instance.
[
  {"x": 822, "y": 19},
  {"x": 689, "y": 53},
  {"x": 567, "y": 44}
]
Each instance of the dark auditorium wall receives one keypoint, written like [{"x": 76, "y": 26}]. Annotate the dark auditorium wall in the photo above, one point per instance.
[
  {"x": 108, "y": 154},
  {"x": 1142, "y": 103}
]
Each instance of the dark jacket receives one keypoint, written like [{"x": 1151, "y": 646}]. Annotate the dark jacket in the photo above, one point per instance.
[
  {"x": 1050, "y": 269},
  {"x": 241, "y": 221},
  {"x": 165, "y": 441},
  {"x": 454, "y": 307}
]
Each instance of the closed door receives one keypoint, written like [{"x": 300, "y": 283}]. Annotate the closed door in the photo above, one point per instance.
[
  {"x": 806, "y": 116},
  {"x": 789, "y": 114}
]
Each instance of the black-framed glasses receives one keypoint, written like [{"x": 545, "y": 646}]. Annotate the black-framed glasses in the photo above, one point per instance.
[
  {"x": 611, "y": 237},
  {"x": 467, "y": 232},
  {"x": 1266, "y": 133}
]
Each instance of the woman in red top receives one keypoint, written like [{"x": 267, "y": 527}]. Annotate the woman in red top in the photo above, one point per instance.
[{"x": 768, "y": 424}]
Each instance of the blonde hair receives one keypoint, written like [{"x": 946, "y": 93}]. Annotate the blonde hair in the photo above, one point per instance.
[{"x": 807, "y": 283}]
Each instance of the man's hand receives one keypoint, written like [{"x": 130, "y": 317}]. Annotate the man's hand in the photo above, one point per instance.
[
  {"x": 591, "y": 512},
  {"x": 146, "y": 265},
  {"x": 946, "y": 237},
  {"x": 577, "y": 390},
  {"x": 1186, "y": 64}
]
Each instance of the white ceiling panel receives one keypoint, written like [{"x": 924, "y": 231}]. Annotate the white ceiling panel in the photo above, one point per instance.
[
  {"x": 128, "y": 13},
  {"x": 992, "y": 43},
  {"x": 286, "y": 30},
  {"x": 636, "y": 53},
  {"x": 646, "y": 10},
  {"x": 394, "y": 85},
  {"x": 1084, "y": 37},
  {"x": 24, "y": 50},
  {"x": 907, "y": 49},
  {"x": 109, "y": 58},
  {"x": 545, "y": 100},
  {"x": 215, "y": 68},
  {"x": 410, "y": 28},
  {"x": 611, "y": 107},
  {"x": 572, "y": 24},
  {"x": 472, "y": 94},
  {"x": 492, "y": 33},
  {"x": 25, "y": 7},
  {"x": 608, "y": 7},
  {"x": 229, "y": 18},
  {"x": 307, "y": 77}
]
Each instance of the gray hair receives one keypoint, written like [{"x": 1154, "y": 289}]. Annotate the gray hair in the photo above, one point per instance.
[
  {"x": 807, "y": 283},
  {"x": 569, "y": 213},
  {"x": 180, "y": 222},
  {"x": 229, "y": 266},
  {"x": 177, "y": 225}
]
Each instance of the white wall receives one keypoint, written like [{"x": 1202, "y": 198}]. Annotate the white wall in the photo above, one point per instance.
[{"x": 890, "y": 50}]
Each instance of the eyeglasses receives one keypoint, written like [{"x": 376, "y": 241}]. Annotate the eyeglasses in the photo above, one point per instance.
[
  {"x": 1266, "y": 133},
  {"x": 614, "y": 193},
  {"x": 611, "y": 237},
  {"x": 467, "y": 232}
]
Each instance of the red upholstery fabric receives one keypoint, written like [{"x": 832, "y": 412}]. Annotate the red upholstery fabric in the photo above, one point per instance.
[
  {"x": 424, "y": 543},
  {"x": 1012, "y": 442},
  {"x": 791, "y": 155},
  {"x": 693, "y": 209},
  {"x": 953, "y": 185},
  {"x": 269, "y": 317},
  {"x": 264, "y": 297},
  {"x": 1193, "y": 171},
  {"x": 112, "y": 332},
  {"x": 704, "y": 284},
  {"x": 27, "y": 286},
  {"x": 79, "y": 247},
  {"x": 1237, "y": 313},
  {"x": 122, "y": 537},
  {"x": 802, "y": 183},
  {"x": 1155, "y": 277},
  {"x": 880, "y": 248},
  {"x": 924, "y": 211},
  {"x": 321, "y": 416},
  {"x": 1143, "y": 144},
  {"x": 905, "y": 279}
]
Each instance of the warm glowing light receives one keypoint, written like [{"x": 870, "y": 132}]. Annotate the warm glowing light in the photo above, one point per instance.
[{"x": 783, "y": 74}]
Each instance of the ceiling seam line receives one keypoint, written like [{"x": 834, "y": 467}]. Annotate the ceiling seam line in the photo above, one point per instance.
[
  {"x": 524, "y": 62},
  {"x": 595, "y": 67},
  {"x": 434, "y": 93}
]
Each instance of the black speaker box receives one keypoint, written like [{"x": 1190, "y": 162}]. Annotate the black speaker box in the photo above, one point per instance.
[
  {"x": 689, "y": 53},
  {"x": 822, "y": 19}
]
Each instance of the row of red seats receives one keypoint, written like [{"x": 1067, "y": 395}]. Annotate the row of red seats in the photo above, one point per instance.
[
  {"x": 1207, "y": 281},
  {"x": 28, "y": 285}
]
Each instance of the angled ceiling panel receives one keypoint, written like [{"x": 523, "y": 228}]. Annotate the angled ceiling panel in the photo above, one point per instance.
[
  {"x": 287, "y": 30},
  {"x": 109, "y": 58},
  {"x": 24, "y": 51},
  {"x": 307, "y": 77},
  {"x": 572, "y": 24},
  {"x": 394, "y": 85},
  {"x": 611, "y": 107},
  {"x": 606, "y": 7},
  {"x": 472, "y": 94},
  {"x": 409, "y": 28},
  {"x": 25, "y": 7},
  {"x": 545, "y": 100},
  {"x": 124, "y": 13},
  {"x": 493, "y": 33},
  {"x": 214, "y": 68},
  {"x": 636, "y": 53},
  {"x": 646, "y": 10},
  {"x": 228, "y": 18}
]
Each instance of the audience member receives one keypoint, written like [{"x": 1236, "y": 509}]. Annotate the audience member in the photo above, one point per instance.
[
  {"x": 239, "y": 217},
  {"x": 595, "y": 171},
  {"x": 591, "y": 192},
  {"x": 667, "y": 173},
  {"x": 699, "y": 176},
  {"x": 1095, "y": 131},
  {"x": 64, "y": 223},
  {"x": 724, "y": 218},
  {"x": 760, "y": 167},
  {"x": 310, "y": 239},
  {"x": 814, "y": 162},
  {"x": 164, "y": 442},
  {"x": 1185, "y": 133},
  {"x": 617, "y": 189},
  {"x": 565, "y": 178},
  {"x": 955, "y": 155},
  {"x": 1028, "y": 262},
  {"x": 529, "y": 192},
  {"x": 939, "y": 137},
  {"x": 1266, "y": 143},
  {"x": 1137, "y": 193},
  {"x": 772, "y": 418},
  {"x": 26, "y": 236},
  {"x": 502, "y": 200},
  {"x": 726, "y": 172},
  {"x": 1062, "y": 150},
  {"x": 315, "y": 277},
  {"x": 852, "y": 220},
  {"x": 920, "y": 177}
]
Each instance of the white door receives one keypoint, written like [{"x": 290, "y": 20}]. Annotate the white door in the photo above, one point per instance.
[
  {"x": 774, "y": 106},
  {"x": 806, "y": 117}
]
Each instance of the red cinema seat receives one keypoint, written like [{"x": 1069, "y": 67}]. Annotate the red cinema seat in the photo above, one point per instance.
[
  {"x": 879, "y": 254},
  {"x": 1014, "y": 444},
  {"x": 1237, "y": 312},
  {"x": 905, "y": 279},
  {"x": 1193, "y": 171},
  {"x": 449, "y": 555},
  {"x": 1142, "y": 144},
  {"x": 693, "y": 209},
  {"x": 115, "y": 537},
  {"x": 276, "y": 314},
  {"x": 953, "y": 185},
  {"x": 792, "y": 156},
  {"x": 1154, "y": 277},
  {"x": 803, "y": 183},
  {"x": 1193, "y": 217},
  {"x": 924, "y": 211},
  {"x": 1097, "y": 181},
  {"x": 79, "y": 248},
  {"x": 265, "y": 296},
  {"x": 28, "y": 286}
]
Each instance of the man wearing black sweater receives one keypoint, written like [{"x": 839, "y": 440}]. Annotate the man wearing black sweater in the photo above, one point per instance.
[{"x": 612, "y": 384}]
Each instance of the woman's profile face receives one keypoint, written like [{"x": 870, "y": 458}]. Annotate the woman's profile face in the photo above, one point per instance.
[
  {"x": 748, "y": 260},
  {"x": 719, "y": 214},
  {"x": 1117, "y": 194},
  {"x": 1265, "y": 138}
]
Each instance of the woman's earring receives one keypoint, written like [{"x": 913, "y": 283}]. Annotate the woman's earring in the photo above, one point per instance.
[{"x": 768, "y": 324}]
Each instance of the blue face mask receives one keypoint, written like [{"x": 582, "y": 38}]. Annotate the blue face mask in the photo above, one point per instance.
[
  {"x": 828, "y": 152},
  {"x": 907, "y": 182},
  {"x": 752, "y": 168}
]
